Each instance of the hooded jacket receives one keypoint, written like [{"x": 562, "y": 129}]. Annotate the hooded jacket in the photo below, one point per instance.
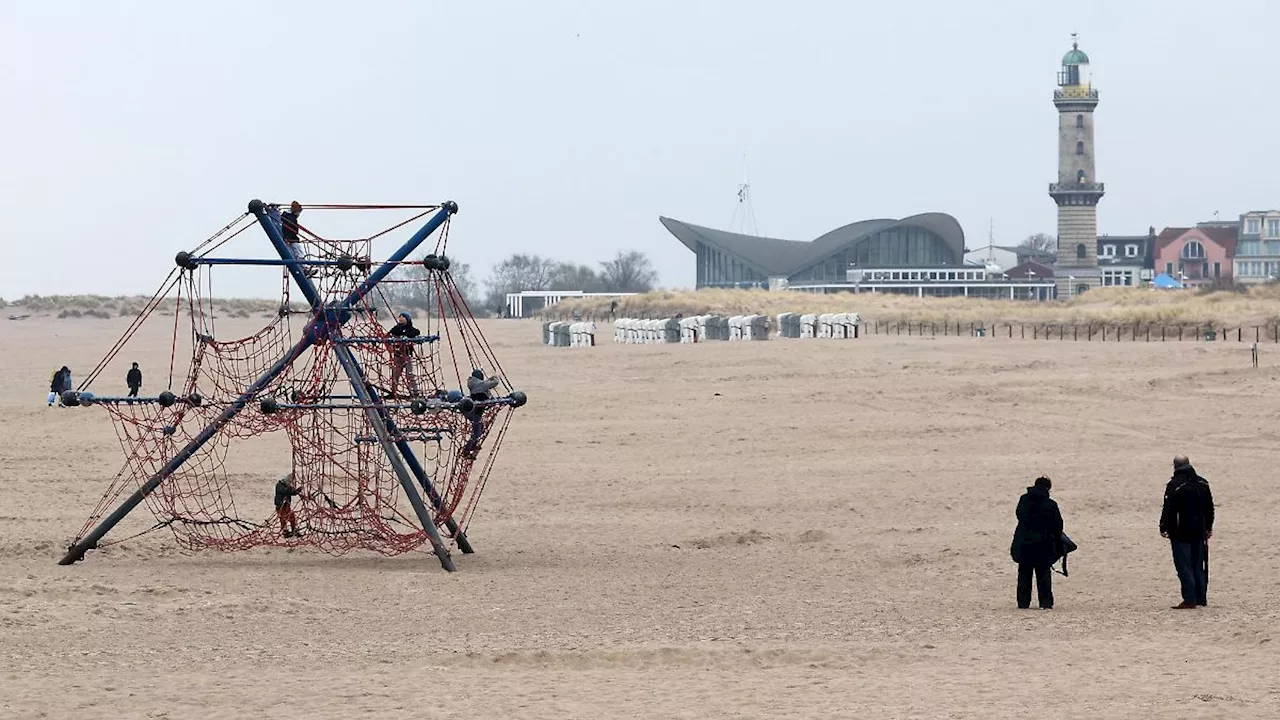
[
  {"x": 1188, "y": 507},
  {"x": 1038, "y": 538},
  {"x": 404, "y": 330},
  {"x": 478, "y": 387},
  {"x": 61, "y": 381}
]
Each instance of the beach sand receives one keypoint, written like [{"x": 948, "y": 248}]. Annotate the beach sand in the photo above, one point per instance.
[{"x": 779, "y": 529}]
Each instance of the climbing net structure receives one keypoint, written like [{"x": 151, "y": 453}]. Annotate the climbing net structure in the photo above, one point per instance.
[{"x": 392, "y": 439}]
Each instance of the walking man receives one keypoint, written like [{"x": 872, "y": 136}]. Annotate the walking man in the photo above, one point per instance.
[
  {"x": 1037, "y": 543},
  {"x": 134, "y": 380},
  {"x": 1187, "y": 521}
]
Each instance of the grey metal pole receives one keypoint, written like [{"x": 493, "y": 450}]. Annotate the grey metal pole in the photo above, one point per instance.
[
  {"x": 433, "y": 495},
  {"x": 349, "y": 365}
]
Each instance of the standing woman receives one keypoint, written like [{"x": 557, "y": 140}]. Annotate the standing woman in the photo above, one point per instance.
[{"x": 1037, "y": 543}]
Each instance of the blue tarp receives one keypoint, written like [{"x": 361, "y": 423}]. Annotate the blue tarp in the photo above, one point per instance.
[{"x": 1163, "y": 280}]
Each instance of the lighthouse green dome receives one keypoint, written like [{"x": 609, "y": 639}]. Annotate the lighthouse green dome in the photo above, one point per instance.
[{"x": 1075, "y": 56}]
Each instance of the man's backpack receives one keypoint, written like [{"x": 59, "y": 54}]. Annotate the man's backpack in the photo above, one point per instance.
[{"x": 1065, "y": 547}]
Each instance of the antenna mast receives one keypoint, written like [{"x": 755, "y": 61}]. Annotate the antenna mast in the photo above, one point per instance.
[{"x": 744, "y": 215}]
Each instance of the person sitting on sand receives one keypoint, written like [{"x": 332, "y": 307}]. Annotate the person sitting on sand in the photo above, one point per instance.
[
  {"x": 285, "y": 490},
  {"x": 1037, "y": 543}
]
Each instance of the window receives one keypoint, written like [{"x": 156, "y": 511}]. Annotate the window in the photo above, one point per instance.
[
  {"x": 1168, "y": 269},
  {"x": 1079, "y": 121},
  {"x": 1131, "y": 251},
  {"x": 1193, "y": 250},
  {"x": 1251, "y": 226},
  {"x": 1080, "y": 148},
  {"x": 1108, "y": 251},
  {"x": 1273, "y": 227},
  {"x": 1217, "y": 270},
  {"x": 1081, "y": 251},
  {"x": 1080, "y": 177}
]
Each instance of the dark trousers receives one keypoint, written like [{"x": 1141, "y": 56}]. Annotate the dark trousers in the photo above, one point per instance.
[
  {"x": 1044, "y": 585},
  {"x": 477, "y": 429},
  {"x": 1189, "y": 562},
  {"x": 133, "y": 390}
]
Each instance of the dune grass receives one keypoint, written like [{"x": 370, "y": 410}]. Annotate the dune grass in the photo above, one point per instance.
[
  {"x": 103, "y": 307},
  {"x": 1112, "y": 306}
]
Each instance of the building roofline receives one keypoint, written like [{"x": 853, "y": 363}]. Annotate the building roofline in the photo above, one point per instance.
[{"x": 774, "y": 257}]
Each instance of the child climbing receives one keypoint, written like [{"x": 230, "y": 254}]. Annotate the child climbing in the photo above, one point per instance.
[
  {"x": 478, "y": 388},
  {"x": 402, "y": 352},
  {"x": 285, "y": 490}
]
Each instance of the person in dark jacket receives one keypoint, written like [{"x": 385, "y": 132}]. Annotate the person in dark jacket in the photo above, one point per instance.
[
  {"x": 1037, "y": 543},
  {"x": 478, "y": 389},
  {"x": 134, "y": 380},
  {"x": 285, "y": 490},
  {"x": 58, "y": 384},
  {"x": 478, "y": 386},
  {"x": 402, "y": 352},
  {"x": 1187, "y": 521}
]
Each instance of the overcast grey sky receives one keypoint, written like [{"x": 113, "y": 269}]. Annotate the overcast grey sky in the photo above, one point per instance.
[{"x": 135, "y": 129}]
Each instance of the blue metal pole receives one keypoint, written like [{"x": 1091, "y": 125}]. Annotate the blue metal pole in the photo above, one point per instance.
[
  {"x": 90, "y": 541},
  {"x": 262, "y": 261},
  {"x": 259, "y": 210},
  {"x": 435, "y": 221}
]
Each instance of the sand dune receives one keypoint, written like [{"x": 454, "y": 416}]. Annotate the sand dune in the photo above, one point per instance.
[{"x": 780, "y": 529}]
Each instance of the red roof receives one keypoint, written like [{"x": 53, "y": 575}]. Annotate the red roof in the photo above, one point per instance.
[
  {"x": 1024, "y": 270},
  {"x": 1223, "y": 237}
]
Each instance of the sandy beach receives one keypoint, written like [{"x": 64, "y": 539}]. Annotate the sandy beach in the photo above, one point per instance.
[{"x": 739, "y": 530}]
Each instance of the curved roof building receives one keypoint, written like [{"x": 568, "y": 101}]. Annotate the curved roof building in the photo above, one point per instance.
[{"x": 930, "y": 240}]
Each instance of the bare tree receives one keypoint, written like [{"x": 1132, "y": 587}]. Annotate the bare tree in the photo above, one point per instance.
[
  {"x": 628, "y": 271},
  {"x": 416, "y": 287},
  {"x": 576, "y": 277},
  {"x": 1040, "y": 241},
  {"x": 516, "y": 274}
]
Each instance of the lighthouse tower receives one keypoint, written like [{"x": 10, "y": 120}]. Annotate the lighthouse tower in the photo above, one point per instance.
[{"x": 1077, "y": 191}]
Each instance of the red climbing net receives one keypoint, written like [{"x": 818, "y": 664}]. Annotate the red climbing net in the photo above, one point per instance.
[{"x": 349, "y": 494}]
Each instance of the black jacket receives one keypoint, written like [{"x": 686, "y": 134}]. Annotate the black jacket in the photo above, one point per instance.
[
  {"x": 284, "y": 492},
  {"x": 1188, "y": 507},
  {"x": 405, "y": 330},
  {"x": 289, "y": 226},
  {"x": 1038, "y": 539},
  {"x": 133, "y": 378}
]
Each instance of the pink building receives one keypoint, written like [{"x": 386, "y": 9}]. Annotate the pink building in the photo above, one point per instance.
[{"x": 1196, "y": 256}]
